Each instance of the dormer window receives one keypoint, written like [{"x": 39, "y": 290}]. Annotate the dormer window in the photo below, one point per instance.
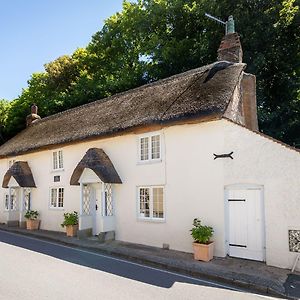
[
  {"x": 57, "y": 160},
  {"x": 150, "y": 148}
]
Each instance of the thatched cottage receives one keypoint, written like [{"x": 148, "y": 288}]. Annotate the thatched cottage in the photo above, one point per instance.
[{"x": 144, "y": 163}]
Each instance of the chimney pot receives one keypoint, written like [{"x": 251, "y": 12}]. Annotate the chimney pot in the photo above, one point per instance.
[
  {"x": 34, "y": 109},
  {"x": 33, "y": 117}
]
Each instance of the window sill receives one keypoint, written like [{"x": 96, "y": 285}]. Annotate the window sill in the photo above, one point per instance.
[
  {"x": 56, "y": 208},
  {"x": 57, "y": 170},
  {"x": 149, "y": 162},
  {"x": 151, "y": 220}
]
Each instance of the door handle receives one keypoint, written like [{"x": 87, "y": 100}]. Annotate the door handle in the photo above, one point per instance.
[{"x": 96, "y": 207}]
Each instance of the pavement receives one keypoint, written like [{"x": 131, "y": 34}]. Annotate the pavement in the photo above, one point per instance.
[{"x": 243, "y": 273}]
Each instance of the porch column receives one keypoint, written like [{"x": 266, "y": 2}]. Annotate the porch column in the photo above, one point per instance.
[
  {"x": 9, "y": 201},
  {"x": 81, "y": 206},
  {"x": 21, "y": 205}
]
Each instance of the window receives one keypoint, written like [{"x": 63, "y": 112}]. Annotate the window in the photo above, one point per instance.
[
  {"x": 108, "y": 201},
  {"x": 13, "y": 203},
  {"x": 57, "y": 198},
  {"x": 57, "y": 160},
  {"x": 27, "y": 199},
  {"x": 150, "y": 148},
  {"x": 151, "y": 202}
]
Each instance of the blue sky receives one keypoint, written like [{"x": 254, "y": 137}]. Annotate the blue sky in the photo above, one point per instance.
[{"x": 34, "y": 32}]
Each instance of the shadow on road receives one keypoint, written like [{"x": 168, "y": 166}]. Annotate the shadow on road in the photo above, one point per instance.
[{"x": 100, "y": 262}]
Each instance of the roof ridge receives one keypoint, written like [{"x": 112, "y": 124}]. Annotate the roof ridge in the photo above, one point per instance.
[{"x": 112, "y": 97}]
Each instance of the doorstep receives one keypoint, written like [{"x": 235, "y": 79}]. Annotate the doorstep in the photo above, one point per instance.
[{"x": 240, "y": 272}]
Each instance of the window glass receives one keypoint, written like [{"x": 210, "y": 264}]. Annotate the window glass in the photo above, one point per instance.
[
  {"x": 145, "y": 148},
  {"x": 158, "y": 204},
  {"x": 155, "y": 147},
  {"x": 145, "y": 202}
]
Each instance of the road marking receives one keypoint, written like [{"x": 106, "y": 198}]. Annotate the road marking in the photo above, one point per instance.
[{"x": 130, "y": 262}]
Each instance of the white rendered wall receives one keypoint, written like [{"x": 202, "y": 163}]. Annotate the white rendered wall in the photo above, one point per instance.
[
  {"x": 193, "y": 184},
  {"x": 259, "y": 160}
]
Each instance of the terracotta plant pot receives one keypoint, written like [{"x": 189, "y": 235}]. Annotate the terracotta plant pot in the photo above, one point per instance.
[
  {"x": 71, "y": 230},
  {"x": 32, "y": 224},
  {"x": 204, "y": 252}
]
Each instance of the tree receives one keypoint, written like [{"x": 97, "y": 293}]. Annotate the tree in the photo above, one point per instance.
[
  {"x": 4, "y": 106},
  {"x": 153, "y": 39}
]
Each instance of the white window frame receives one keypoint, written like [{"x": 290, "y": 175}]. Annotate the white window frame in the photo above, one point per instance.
[
  {"x": 151, "y": 218},
  {"x": 57, "y": 195},
  {"x": 150, "y": 159},
  {"x": 10, "y": 205},
  {"x": 106, "y": 188},
  {"x": 59, "y": 156}
]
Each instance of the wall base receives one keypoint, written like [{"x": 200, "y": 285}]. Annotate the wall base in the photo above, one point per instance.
[
  {"x": 84, "y": 233},
  {"x": 12, "y": 223}
]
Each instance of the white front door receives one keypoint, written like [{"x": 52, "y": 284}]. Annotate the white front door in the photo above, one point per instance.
[
  {"x": 96, "y": 192},
  {"x": 246, "y": 224}
]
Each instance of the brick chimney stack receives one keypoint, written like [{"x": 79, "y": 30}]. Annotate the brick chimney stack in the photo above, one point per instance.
[
  {"x": 33, "y": 117},
  {"x": 231, "y": 50}
]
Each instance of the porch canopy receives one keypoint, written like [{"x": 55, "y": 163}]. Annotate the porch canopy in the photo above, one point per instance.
[
  {"x": 96, "y": 160},
  {"x": 21, "y": 172}
]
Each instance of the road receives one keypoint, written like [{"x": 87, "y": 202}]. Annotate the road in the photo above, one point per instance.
[{"x": 35, "y": 269}]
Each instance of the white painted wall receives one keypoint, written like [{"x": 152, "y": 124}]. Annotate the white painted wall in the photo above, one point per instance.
[
  {"x": 194, "y": 184},
  {"x": 259, "y": 160}
]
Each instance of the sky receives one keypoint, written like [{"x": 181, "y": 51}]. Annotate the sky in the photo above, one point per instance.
[{"x": 35, "y": 32}]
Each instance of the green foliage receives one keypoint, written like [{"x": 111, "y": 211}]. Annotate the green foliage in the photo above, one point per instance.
[
  {"x": 31, "y": 214},
  {"x": 70, "y": 219},
  {"x": 201, "y": 233},
  {"x": 153, "y": 39},
  {"x": 4, "y": 107}
]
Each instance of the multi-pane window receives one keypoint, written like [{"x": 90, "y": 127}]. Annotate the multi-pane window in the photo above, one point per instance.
[
  {"x": 57, "y": 198},
  {"x": 151, "y": 202},
  {"x": 27, "y": 199},
  {"x": 57, "y": 160},
  {"x": 150, "y": 147},
  {"x": 144, "y": 148},
  {"x": 155, "y": 147},
  {"x": 108, "y": 201},
  {"x": 86, "y": 207},
  {"x": 13, "y": 203}
]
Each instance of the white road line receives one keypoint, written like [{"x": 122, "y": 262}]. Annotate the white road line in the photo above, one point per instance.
[{"x": 129, "y": 262}]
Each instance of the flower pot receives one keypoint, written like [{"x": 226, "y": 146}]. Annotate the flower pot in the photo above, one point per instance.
[
  {"x": 32, "y": 224},
  {"x": 204, "y": 252},
  {"x": 71, "y": 230}
]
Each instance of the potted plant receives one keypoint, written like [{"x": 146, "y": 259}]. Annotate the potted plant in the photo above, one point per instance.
[
  {"x": 71, "y": 223},
  {"x": 32, "y": 222},
  {"x": 203, "y": 246}
]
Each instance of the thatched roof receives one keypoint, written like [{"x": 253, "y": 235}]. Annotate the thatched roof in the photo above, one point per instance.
[
  {"x": 21, "y": 172},
  {"x": 203, "y": 92},
  {"x": 96, "y": 160}
]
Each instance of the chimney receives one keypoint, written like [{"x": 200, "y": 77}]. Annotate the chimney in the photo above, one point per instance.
[
  {"x": 33, "y": 117},
  {"x": 231, "y": 50}
]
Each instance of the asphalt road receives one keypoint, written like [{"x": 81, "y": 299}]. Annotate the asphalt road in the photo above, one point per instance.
[{"x": 35, "y": 269}]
